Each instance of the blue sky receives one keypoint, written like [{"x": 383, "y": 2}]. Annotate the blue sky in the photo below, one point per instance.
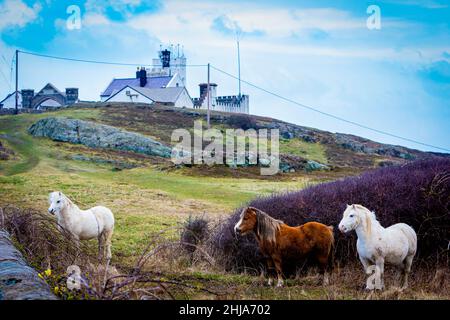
[{"x": 319, "y": 53}]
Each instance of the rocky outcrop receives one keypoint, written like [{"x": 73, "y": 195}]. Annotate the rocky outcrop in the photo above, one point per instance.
[
  {"x": 358, "y": 144},
  {"x": 96, "y": 135},
  {"x": 18, "y": 281}
]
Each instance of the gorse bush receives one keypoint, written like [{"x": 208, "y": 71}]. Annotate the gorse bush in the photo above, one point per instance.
[{"x": 417, "y": 193}]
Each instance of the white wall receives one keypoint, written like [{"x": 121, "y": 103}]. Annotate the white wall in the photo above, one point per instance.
[
  {"x": 10, "y": 103},
  {"x": 184, "y": 101},
  {"x": 136, "y": 97}
]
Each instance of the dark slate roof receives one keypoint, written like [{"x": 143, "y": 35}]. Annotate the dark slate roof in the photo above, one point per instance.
[{"x": 152, "y": 83}]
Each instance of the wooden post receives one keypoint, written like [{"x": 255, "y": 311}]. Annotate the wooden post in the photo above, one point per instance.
[
  {"x": 17, "y": 82},
  {"x": 208, "y": 99}
]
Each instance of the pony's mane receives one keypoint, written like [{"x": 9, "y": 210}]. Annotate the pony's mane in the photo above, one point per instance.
[
  {"x": 369, "y": 217},
  {"x": 267, "y": 227},
  {"x": 68, "y": 201}
]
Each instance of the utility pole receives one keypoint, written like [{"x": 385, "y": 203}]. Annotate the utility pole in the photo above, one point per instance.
[
  {"x": 208, "y": 99},
  {"x": 17, "y": 82},
  {"x": 239, "y": 67}
]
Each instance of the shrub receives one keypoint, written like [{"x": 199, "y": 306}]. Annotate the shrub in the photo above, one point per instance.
[
  {"x": 417, "y": 193},
  {"x": 194, "y": 231}
]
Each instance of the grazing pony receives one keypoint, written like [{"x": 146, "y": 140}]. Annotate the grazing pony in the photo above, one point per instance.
[
  {"x": 96, "y": 222},
  {"x": 376, "y": 245},
  {"x": 279, "y": 241}
]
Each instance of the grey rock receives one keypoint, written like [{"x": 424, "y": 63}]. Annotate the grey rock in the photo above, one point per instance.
[
  {"x": 96, "y": 135},
  {"x": 287, "y": 135},
  {"x": 314, "y": 165},
  {"x": 18, "y": 281},
  {"x": 366, "y": 146},
  {"x": 264, "y": 162}
]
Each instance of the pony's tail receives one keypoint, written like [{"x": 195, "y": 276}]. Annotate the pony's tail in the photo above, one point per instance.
[{"x": 332, "y": 249}]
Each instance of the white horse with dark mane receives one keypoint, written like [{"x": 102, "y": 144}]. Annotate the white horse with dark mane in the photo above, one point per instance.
[
  {"x": 96, "y": 222},
  {"x": 376, "y": 245}
]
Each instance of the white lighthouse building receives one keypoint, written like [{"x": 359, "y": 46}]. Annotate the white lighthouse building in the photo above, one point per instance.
[{"x": 170, "y": 62}]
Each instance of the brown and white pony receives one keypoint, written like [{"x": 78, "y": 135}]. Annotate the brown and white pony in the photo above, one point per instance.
[{"x": 279, "y": 241}]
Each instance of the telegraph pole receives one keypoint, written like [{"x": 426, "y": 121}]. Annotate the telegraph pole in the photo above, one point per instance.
[
  {"x": 17, "y": 82},
  {"x": 208, "y": 98},
  {"x": 239, "y": 67}
]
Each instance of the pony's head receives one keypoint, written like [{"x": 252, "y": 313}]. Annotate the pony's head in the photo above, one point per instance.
[
  {"x": 353, "y": 216},
  {"x": 247, "y": 221},
  {"x": 57, "y": 201},
  {"x": 264, "y": 226}
]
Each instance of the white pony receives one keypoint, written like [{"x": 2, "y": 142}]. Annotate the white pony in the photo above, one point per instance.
[
  {"x": 396, "y": 244},
  {"x": 96, "y": 222}
]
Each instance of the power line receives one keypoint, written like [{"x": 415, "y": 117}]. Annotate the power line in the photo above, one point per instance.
[
  {"x": 6, "y": 79},
  {"x": 102, "y": 62},
  {"x": 329, "y": 114},
  {"x": 4, "y": 76}
]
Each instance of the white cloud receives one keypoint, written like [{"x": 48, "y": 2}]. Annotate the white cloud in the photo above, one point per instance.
[
  {"x": 92, "y": 19},
  {"x": 15, "y": 13}
]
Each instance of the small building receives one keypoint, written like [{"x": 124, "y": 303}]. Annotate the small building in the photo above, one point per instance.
[
  {"x": 172, "y": 96},
  {"x": 142, "y": 80},
  {"x": 235, "y": 104},
  {"x": 48, "y": 97},
  {"x": 10, "y": 101}
]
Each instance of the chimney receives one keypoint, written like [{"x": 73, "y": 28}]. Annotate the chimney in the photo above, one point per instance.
[
  {"x": 142, "y": 77},
  {"x": 27, "y": 98},
  {"x": 71, "y": 95},
  {"x": 137, "y": 72}
]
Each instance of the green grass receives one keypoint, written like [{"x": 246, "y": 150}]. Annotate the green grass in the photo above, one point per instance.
[{"x": 310, "y": 151}]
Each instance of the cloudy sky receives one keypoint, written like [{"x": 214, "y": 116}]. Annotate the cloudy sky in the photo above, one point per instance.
[{"x": 319, "y": 53}]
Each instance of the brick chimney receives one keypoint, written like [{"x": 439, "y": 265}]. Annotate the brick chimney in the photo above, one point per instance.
[{"x": 141, "y": 74}]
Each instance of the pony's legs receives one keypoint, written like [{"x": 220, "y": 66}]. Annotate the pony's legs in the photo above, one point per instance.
[
  {"x": 323, "y": 268},
  {"x": 407, "y": 270},
  {"x": 279, "y": 270},
  {"x": 270, "y": 270},
  {"x": 109, "y": 235},
  {"x": 380, "y": 265},
  {"x": 365, "y": 264},
  {"x": 101, "y": 246},
  {"x": 76, "y": 241}
]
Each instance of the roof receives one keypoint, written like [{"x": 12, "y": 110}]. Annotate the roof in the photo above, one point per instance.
[
  {"x": 163, "y": 95},
  {"x": 9, "y": 95},
  {"x": 152, "y": 83},
  {"x": 53, "y": 87}
]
